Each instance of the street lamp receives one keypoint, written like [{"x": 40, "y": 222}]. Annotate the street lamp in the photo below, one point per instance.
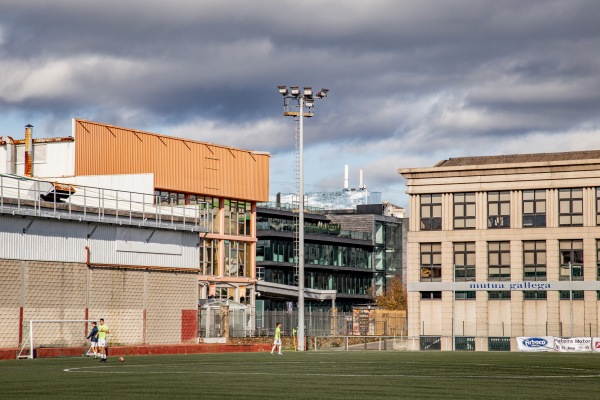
[{"x": 304, "y": 102}]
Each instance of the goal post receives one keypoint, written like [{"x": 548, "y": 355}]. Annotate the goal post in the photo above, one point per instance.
[{"x": 53, "y": 333}]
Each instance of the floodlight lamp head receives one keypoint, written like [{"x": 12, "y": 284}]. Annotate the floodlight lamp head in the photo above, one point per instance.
[
  {"x": 309, "y": 102},
  {"x": 308, "y": 91},
  {"x": 295, "y": 90},
  {"x": 323, "y": 93},
  {"x": 282, "y": 90}
]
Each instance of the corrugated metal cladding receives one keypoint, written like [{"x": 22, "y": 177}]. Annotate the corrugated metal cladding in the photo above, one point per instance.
[
  {"x": 178, "y": 164},
  {"x": 65, "y": 241}
]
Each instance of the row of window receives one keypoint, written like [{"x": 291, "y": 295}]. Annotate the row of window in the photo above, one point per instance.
[
  {"x": 534, "y": 261},
  {"x": 340, "y": 282},
  {"x": 506, "y": 295},
  {"x": 237, "y": 214},
  {"x": 570, "y": 209},
  {"x": 311, "y": 228},
  {"x": 237, "y": 258},
  {"x": 314, "y": 253}
]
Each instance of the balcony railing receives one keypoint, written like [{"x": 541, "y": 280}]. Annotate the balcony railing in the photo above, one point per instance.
[
  {"x": 26, "y": 196},
  {"x": 325, "y": 230},
  {"x": 290, "y": 207}
]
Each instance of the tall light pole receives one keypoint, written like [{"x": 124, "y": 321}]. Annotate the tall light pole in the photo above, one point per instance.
[{"x": 296, "y": 99}]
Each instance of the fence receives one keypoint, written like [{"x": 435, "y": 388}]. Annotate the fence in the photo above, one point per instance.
[
  {"x": 242, "y": 323},
  {"x": 362, "y": 343},
  {"x": 504, "y": 329},
  {"x": 25, "y": 196}
]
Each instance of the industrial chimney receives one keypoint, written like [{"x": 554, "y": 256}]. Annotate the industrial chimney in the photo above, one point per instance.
[
  {"x": 28, "y": 150},
  {"x": 361, "y": 185},
  {"x": 346, "y": 177}
]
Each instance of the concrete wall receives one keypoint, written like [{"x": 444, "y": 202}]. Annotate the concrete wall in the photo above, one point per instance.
[
  {"x": 46, "y": 239},
  {"x": 139, "y": 306}
]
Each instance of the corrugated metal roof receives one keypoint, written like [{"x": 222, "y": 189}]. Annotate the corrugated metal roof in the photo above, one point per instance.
[
  {"x": 178, "y": 164},
  {"x": 519, "y": 158}
]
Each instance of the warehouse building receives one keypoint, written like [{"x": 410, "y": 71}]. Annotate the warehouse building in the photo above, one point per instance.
[
  {"x": 503, "y": 246},
  {"x": 127, "y": 225}
]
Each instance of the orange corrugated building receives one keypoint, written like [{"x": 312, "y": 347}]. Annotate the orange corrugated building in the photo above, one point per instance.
[
  {"x": 229, "y": 180},
  {"x": 167, "y": 171},
  {"x": 178, "y": 165}
]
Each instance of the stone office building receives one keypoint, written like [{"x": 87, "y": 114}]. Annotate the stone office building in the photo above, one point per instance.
[{"x": 503, "y": 246}]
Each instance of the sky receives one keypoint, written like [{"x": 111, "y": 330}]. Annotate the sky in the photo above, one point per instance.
[{"x": 411, "y": 82}]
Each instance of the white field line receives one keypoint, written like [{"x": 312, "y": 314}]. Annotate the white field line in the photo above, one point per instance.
[{"x": 109, "y": 369}]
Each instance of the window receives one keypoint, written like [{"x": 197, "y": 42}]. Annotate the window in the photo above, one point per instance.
[
  {"x": 534, "y": 260},
  {"x": 464, "y": 210},
  {"x": 460, "y": 295},
  {"x": 464, "y": 262},
  {"x": 212, "y": 205},
  {"x": 598, "y": 206},
  {"x": 237, "y": 258},
  {"x": 498, "y": 210},
  {"x": 535, "y": 295},
  {"x": 431, "y": 262},
  {"x": 571, "y": 260},
  {"x": 577, "y": 294},
  {"x": 534, "y": 208},
  {"x": 237, "y": 217},
  {"x": 597, "y": 259},
  {"x": 570, "y": 207},
  {"x": 431, "y": 212},
  {"x": 499, "y": 261},
  {"x": 499, "y": 295},
  {"x": 431, "y": 295},
  {"x": 209, "y": 257}
]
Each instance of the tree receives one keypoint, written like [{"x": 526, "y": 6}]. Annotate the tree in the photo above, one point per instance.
[{"x": 394, "y": 297}]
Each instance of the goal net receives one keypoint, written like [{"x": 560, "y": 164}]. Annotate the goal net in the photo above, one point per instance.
[{"x": 56, "y": 334}]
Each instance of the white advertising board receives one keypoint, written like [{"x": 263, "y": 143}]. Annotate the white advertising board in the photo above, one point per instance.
[
  {"x": 574, "y": 344},
  {"x": 539, "y": 343}
]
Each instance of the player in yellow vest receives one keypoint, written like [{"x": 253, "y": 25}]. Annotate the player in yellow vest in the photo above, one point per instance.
[
  {"x": 277, "y": 341},
  {"x": 102, "y": 331}
]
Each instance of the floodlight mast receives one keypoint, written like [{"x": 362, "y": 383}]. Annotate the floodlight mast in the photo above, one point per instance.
[{"x": 300, "y": 99}]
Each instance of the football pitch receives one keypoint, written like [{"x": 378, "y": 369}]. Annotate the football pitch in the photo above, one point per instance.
[{"x": 310, "y": 375}]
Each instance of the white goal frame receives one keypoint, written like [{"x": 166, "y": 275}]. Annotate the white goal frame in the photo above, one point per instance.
[{"x": 27, "y": 344}]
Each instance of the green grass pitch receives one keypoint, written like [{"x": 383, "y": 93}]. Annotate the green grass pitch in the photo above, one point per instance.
[{"x": 310, "y": 375}]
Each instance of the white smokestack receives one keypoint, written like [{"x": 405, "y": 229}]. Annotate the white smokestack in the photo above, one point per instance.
[
  {"x": 361, "y": 186},
  {"x": 346, "y": 177}
]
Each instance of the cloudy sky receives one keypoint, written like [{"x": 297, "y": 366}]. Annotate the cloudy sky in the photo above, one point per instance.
[{"x": 411, "y": 82}]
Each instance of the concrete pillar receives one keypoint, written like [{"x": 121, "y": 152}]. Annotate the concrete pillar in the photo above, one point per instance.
[{"x": 225, "y": 322}]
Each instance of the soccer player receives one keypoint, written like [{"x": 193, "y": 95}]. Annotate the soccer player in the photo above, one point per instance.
[
  {"x": 102, "y": 332},
  {"x": 277, "y": 341},
  {"x": 93, "y": 336}
]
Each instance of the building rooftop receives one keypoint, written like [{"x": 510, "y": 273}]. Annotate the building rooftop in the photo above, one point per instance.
[{"x": 519, "y": 158}]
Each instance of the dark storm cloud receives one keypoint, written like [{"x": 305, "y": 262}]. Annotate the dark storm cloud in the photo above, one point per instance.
[{"x": 404, "y": 75}]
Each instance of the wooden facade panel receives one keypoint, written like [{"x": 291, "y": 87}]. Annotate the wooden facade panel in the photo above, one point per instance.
[{"x": 178, "y": 164}]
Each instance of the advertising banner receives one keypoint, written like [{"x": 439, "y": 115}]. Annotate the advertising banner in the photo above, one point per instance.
[
  {"x": 574, "y": 344},
  {"x": 540, "y": 343},
  {"x": 596, "y": 344}
]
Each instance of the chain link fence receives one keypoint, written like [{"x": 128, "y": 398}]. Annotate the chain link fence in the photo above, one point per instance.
[{"x": 247, "y": 323}]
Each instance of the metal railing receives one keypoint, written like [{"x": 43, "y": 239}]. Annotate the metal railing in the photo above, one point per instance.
[{"x": 26, "y": 196}]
